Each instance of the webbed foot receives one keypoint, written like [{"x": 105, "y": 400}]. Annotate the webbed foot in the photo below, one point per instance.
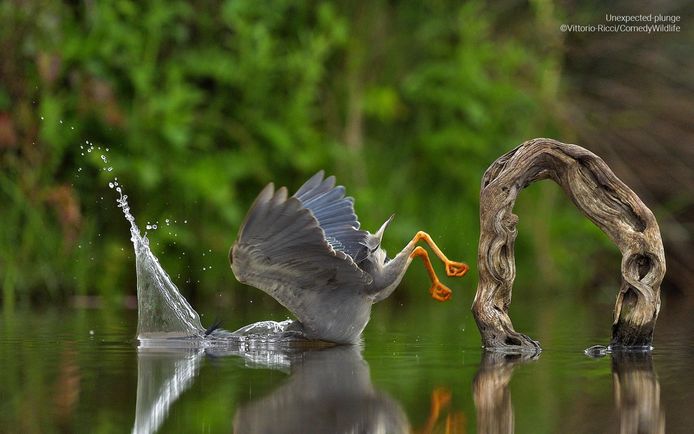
[
  {"x": 456, "y": 269},
  {"x": 440, "y": 292}
]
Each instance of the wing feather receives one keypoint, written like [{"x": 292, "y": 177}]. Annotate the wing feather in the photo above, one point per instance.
[
  {"x": 334, "y": 213},
  {"x": 282, "y": 250}
]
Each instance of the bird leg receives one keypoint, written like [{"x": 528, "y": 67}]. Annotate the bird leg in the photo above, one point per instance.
[
  {"x": 453, "y": 268},
  {"x": 438, "y": 290}
]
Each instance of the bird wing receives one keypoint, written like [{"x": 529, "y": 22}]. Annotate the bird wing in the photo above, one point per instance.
[
  {"x": 282, "y": 250},
  {"x": 335, "y": 214}
]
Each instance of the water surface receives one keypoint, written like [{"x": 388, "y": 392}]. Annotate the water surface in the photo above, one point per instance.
[{"x": 420, "y": 369}]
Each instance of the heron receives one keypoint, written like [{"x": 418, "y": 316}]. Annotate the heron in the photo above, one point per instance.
[{"x": 308, "y": 252}]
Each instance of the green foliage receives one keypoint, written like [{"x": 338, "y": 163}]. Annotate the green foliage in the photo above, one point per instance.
[{"x": 196, "y": 107}]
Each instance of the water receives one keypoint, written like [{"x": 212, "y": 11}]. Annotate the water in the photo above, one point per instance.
[
  {"x": 167, "y": 320},
  {"x": 57, "y": 377}
]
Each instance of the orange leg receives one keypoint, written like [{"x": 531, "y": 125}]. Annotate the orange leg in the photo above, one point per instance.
[
  {"x": 438, "y": 290},
  {"x": 453, "y": 268}
]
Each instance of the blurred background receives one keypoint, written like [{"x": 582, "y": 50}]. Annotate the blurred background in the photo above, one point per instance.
[{"x": 197, "y": 105}]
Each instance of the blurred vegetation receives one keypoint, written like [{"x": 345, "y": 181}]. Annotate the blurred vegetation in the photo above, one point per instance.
[{"x": 197, "y": 105}]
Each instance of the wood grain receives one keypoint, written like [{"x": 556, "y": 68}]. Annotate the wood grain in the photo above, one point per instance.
[{"x": 600, "y": 196}]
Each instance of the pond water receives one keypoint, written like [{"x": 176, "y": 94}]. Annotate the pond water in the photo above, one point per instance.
[{"x": 420, "y": 369}]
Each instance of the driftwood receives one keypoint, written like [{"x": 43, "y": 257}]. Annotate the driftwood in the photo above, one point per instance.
[{"x": 600, "y": 196}]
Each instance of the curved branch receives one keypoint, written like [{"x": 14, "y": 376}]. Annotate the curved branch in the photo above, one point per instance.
[{"x": 600, "y": 196}]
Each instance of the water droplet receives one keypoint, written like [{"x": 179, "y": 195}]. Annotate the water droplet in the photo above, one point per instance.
[
  {"x": 185, "y": 221},
  {"x": 91, "y": 332},
  {"x": 154, "y": 226},
  {"x": 41, "y": 117},
  {"x": 79, "y": 169},
  {"x": 167, "y": 222},
  {"x": 90, "y": 149},
  {"x": 61, "y": 121},
  {"x": 103, "y": 158},
  {"x": 108, "y": 169},
  {"x": 106, "y": 149},
  {"x": 118, "y": 189}
]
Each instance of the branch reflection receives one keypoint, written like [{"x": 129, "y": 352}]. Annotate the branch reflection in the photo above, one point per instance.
[
  {"x": 637, "y": 393},
  {"x": 491, "y": 391}
]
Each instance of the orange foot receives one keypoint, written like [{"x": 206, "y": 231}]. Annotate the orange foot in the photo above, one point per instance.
[
  {"x": 440, "y": 292},
  {"x": 456, "y": 269}
]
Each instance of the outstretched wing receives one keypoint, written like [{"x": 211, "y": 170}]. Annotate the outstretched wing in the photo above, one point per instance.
[
  {"x": 281, "y": 249},
  {"x": 335, "y": 214}
]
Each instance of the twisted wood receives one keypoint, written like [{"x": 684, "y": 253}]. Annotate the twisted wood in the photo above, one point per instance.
[{"x": 600, "y": 196}]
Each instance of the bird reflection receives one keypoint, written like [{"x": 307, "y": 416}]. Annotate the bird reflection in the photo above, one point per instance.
[
  {"x": 491, "y": 391},
  {"x": 637, "y": 393},
  {"x": 329, "y": 391}
]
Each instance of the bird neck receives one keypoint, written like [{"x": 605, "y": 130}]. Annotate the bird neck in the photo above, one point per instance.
[{"x": 391, "y": 273}]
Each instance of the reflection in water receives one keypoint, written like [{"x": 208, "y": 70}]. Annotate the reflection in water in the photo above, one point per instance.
[
  {"x": 329, "y": 391},
  {"x": 491, "y": 392},
  {"x": 162, "y": 376},
  {"x": 453, "y": 423},
  {"x": 637, "y": 393}
]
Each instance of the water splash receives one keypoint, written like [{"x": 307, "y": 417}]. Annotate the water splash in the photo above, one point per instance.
[
  {"x": 162, "y": 311},
  {"x": 165, "y": 317}
]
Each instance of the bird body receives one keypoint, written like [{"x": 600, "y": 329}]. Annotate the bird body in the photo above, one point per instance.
[{"x": 308, "y": 253}]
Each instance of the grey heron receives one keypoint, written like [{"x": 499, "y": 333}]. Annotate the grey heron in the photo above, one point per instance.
[{"x": 308, "y": 253}]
